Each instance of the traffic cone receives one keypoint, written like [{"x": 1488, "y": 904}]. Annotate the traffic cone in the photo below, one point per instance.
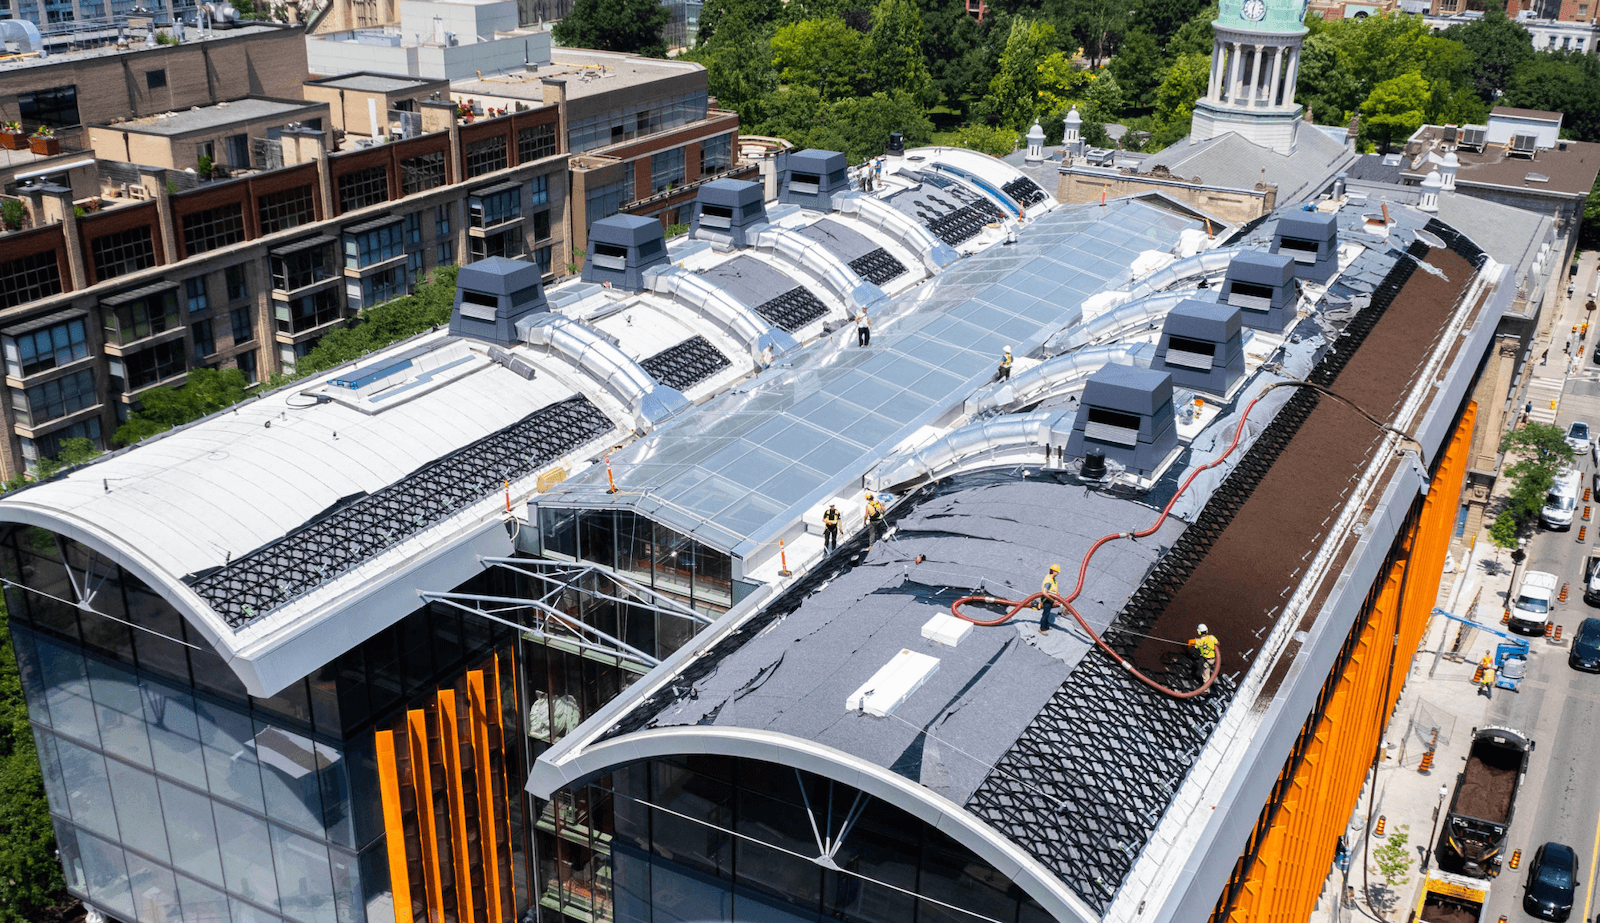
[
  {"x": 1557, "y": 638},
  {"x": 1586, "y": 495},
  {"x": 1516, "y": 859},
  {"x": 1382, "y": 822},
  {"x": 1563, "y": 597},
  {"x": 1549, "y": 629},
  {"x": 1582, "y": 531},
  {"x": 1586, "y": 510},
  {"x": 1477, "y": 675},
  {"x": 1427, "y": 762},
  {"x": 1505, "y": 617}
]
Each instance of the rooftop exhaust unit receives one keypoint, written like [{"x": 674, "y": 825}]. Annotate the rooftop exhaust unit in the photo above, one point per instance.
[
  {"x": 1100, "y": 156},
  {"x": 896, "y": 146},
  {"x": 1262, "y": 286},
  {"x": 621, "y": 248},
  {"x": 811, "y": 178},
  {"x": 1312, "y": 239},
  {"x": 1126, "y": 415},
  {"x": 1473, "y": 137},
  {"x": 728, "y": 212},
  {"x": 492, "y": 295},
  {"x": 1202, "y": 348},
  {"x": 1449, "y": 134},
  {"x": 1523, "y": 145},
  {"x": 894, "y": 682}
]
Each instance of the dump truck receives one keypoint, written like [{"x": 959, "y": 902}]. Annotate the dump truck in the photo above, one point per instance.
[
  {"x": 1448, "y": 898},
  {"x": 1485, "y": 795}
]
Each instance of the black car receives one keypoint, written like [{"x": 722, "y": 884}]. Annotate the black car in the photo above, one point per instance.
[
  {"x": 1552, "y": 880},
  {"x": 1585, "y": 652}
]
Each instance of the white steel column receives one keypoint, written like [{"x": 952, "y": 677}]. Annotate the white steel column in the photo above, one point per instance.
[
  {"x": 1255, "y": 74},
  {"x": 1233, "y": 74},
  {"x": 1277, "y": 72},
  {"x": 1289, "y": 78},
  {"x": 1214, "y": 86}
]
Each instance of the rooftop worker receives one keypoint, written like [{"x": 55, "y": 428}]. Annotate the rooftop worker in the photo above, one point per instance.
[
  {"x": 874, "y": 517},
  {"x": 766, "y": 358},
  {"x": 863, "y": 328},
  {"x": 1004, "y": 372},
  {"x": 1203, "y": 648},
  {"x": 830, "y": 528},
  {"x": 1048, "y": 600}
]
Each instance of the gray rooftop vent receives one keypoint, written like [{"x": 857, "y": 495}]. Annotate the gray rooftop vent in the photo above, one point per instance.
[
  {"x": 1262, "y": 285},
  {"x": 1523, "y": 145},
  {"x": 1100, "y": 156},
  {"x": 811, "y": 178},
  {"x": 621, "y": 248},
  {"x": 492, "y": 295},
  {"x": 1202, "y": 347},
  {"x": 1473, "y": 137},
  {"x": 728, "y": 211},
  {"x": 1126, "y": 415},
  {"x": 1449, "y": 134},
  {"x": 1312, "y": 239}
]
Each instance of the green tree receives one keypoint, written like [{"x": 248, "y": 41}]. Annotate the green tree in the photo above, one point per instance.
[
  {"x": 822, "y": 53},
  {"x": 1393, "y": 858},
  {"x": 757, "y": 14},
  {"x": 1093, "y": 25},
  {"x": 952, "y": 51},
  {"x": 1186, "y": 81},
  {"x": 204, "y": 391},
  {"x": 614, "y": 25},
  {"x": 738, "y": 62},
  {"x": 1137, "y": 67},
  {"x": 894, "y": 49},
  {"x": 1060, "y": 84},
  {"x": 1541, "y": 452},
  {"x": 1343, "y": 60},
  {"x": 1013, "y": 91},
  {"x": 1102, "y": 100},
  {"x": 1162, "y": 19},
  {"x": 996, "y": 142},
  {"x": 1560, "y": 81},
  {"x": 30, "y": 875},
  {"x": 1195, "y": 36},
  {"x": 77, "y": 451},
  {"x": 1394, "y": 110},
  {"x": 1498, "y": 46}
]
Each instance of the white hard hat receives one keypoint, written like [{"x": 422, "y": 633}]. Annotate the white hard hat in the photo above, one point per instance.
[
  {"x": 1008, "y": 349},
  {"x": 1201, "y": 629}
]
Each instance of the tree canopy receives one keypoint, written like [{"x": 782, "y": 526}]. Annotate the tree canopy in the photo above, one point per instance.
[{"x": 614, "y": 25}]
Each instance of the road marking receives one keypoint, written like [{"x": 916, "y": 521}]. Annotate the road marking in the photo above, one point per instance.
[{"x": 1594, "y": 854}]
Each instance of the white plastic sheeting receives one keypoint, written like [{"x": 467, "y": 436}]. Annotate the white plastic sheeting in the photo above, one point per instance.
[
  {"x": 1142, "y": 315},
  {"x": 1059, "y": 376},
  {"x": 911, "y": 234},
  {"x": 720, "y": 308},
  {"x": 1012, "y": 439},
  {"x": 599, "y": 359},
  {"x": 817, "y": 260}
]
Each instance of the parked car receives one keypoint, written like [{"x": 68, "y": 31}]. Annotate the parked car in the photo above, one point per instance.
[
  {"x": 1578, "y": 437},
  {"x": 1552, "y": 880},
  {"x": 1585, "y": 652}
]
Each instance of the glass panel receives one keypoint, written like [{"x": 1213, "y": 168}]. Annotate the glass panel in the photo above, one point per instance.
[
  {"x": 107, "y": 875},
  {"x": 347, "y": 887},
  {"x": 33, "y": 688},
  {"x": 691, "y": 844},
  {"x": 89, "y": 794},
  {"x": 55, "y": 789},
  {"x": 335, "y": 794},
  {"x": 155, "y": 893},
  {"x": 248, "y": 913},
  {"x": 71, "y": 861},
  {"x": 683, "y": 897},
  {"x": 191, "y": 832},
  {"x": 120, "y": 711},
  {"x": 43, "y": 572},
  {"x": 158, "y": 649},
  {"x": 138, "y": 810},
  {"x": 291, "y": 703},
  {"x": 174, "y": 728},
  {"x": 304, "y": 880},
  {"x": 596, "y": 537},
  {"x": 202, "y": 904},
  {"x": 229, "y": 747},
  {"x": 66, "y": 683},
  {"x": 289, "y": 767},
  {"x": 246, "y": 855}
]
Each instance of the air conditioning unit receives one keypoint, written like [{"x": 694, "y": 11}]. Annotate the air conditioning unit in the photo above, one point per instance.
[
  {"x": 1523, "y": 145},
  {"x": 1473, "y": 137},
  {"x": 1450, "y": 133}
]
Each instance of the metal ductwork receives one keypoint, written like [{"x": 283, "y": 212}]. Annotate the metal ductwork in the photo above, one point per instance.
[
  {"x": 1142, "y": 315},
  {"x": 721, "y": 309},
  {"x": 602, "y": 361},
  {"x": 1054, "y": 378},
  {"x": 1198, "y": 266},
  {"x": 24, "y": 33},
  {"x": 936, "y": 254},
  {"x": 816, "y": 260},
  {"x": 1008, "y": 440}
]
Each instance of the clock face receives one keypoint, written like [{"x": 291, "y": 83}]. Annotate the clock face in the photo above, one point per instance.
[{"x": 1254, "y": 10}]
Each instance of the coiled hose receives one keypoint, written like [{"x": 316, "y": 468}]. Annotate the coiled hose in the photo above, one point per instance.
[{"x": 1083, "y": 568}]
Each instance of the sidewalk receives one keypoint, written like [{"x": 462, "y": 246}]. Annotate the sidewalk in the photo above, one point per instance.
[{"x": 1439, "y": 693}]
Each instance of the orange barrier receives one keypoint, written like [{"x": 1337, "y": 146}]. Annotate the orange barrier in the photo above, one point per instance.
[
  {"x": 1557, "y": 638},
  {"x": 1516, "y": 860},
  {"x": 1382, "y": 823},
  {"x": 1427, "y": 762}
]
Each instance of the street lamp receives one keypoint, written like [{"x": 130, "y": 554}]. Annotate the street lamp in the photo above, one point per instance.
[
  {"x": 1438, "y": 809},
  {"x": 1517, "y": 557}
]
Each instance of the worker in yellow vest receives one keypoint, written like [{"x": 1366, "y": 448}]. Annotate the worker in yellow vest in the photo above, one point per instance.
[{"x": 1203, "y": 647}]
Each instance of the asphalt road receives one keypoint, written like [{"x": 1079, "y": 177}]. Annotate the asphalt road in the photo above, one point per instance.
[{"x": 1559, "y": 707}]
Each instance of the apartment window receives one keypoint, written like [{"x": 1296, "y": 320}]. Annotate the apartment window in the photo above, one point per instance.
[
  {"x": 541, "y": 225},
  {"x": 122, "y": 252},
  {"x": 382, "y": 286},
  {"x": 29, "y": 279},
  {"x": 1566, "y": 42},
  {"x": 495, "y": 206},
  {"x": 605, "y": 201},
  {"x": 502, "y": 243},
  {"x": 292, "y": 269},
  {"x": 246, "y": 363},
  {"x": 666, "y": 169},
  {"x": 145, "y": 317},
  {"x": 414, "y": 265},
  {"x": 156, "y": 79},
  {"x": 194, "y": 291},
  {"x": 418, "y": 174},
  {"x": 56, "y": 106},
  {"x": 54, "y": 399},
  {"x": 204, "y": 343},
  {"x": 542, "y": 257},
  {"x": 536, "y": 142},
  {"x": 1583, "y": 12},
  {"x": 541, "y": 192},
  {"x": 42, "y": 350},
  {"x": 486, "y": 156},
  {"x": 238, "y": 287},
  {"x": 360, "y": 188},
  {"x": 441, "y": 222},
  {"x": 238, "y": 151},
  {"x": 49, "y": 444},
  {"x": 244, "y": 324},
  {"x": 367, "y": 247},
  {"x": 314, "y": 310},
  {"x": 414, "y": 229},
  {"x": 447, "y": 254},
  {"x": 716, "y": 154},
  {"x": 280, "y": 211},
  {"x": 215, "y": 227},
  {"x": 158, "y": 363}
]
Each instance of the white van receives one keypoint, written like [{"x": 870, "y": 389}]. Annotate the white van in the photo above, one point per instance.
[{"x": 1562, "y": 501}]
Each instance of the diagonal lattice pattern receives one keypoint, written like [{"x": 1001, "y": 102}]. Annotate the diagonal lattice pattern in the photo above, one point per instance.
[
  {"x": 686, "y": 364},
  {"x": 964, "y": 223},
  {"x": 1024, "y": 190},
  {"x": 320, "y": 551},
  {"x": 793, "y": 309},
  {"x": 878, "y": 266}
]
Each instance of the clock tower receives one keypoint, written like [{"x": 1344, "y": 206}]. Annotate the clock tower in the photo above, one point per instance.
[{"x": 1254, "y": 63}]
